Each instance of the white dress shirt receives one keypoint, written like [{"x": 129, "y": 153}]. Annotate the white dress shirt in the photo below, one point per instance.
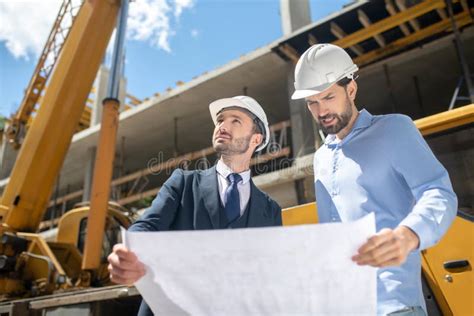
[{"x": 223, "y": 172}]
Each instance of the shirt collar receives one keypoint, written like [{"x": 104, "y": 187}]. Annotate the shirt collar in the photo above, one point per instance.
[
  {"x": 224, "y": 171},
  {"x": 363, "y": 120}
]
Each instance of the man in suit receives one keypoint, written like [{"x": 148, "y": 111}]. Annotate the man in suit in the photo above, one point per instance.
[{"x": 221, "y": 197}]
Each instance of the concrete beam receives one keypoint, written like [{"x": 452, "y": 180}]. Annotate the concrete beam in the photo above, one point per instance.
[
  {"x": 390, "y": 7},
  {"x": 338, "y": 32},
  {"x": 365, "y": 21}
]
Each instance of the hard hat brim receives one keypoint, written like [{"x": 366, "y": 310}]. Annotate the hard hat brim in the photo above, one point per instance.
[
  {"x": 300, "y": 94},
  {"x": 304, "y": 93}
]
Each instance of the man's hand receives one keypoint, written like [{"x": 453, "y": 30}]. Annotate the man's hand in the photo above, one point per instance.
[
  {"x": 390, "y": 247},
  {"x": 124, "y": 266}
]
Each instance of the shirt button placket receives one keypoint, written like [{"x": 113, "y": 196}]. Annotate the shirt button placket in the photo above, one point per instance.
[
  {"x": 334, "y": 171},
  {"x": 334, "y": 189}
]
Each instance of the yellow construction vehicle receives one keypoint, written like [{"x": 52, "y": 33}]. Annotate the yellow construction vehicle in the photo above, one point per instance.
[
  {"x": 447, "y": 267},
  {"x": 29, "y": 265}
]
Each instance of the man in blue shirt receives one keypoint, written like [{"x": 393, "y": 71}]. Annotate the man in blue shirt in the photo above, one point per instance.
[{"x": 375, "y": 163}]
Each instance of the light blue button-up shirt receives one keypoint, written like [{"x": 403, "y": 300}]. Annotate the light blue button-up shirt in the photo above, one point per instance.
[{"x": 385, "y": 166}]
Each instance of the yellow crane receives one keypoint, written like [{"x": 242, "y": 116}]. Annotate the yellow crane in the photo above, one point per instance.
[
  {"x": 28, "y": 264},
  {"x": 16, "y": 128}
]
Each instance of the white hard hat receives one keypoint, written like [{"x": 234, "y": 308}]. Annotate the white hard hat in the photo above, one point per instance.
[
  {"x": 320, "y": 67},
  {"x": 247, "y": 103}
]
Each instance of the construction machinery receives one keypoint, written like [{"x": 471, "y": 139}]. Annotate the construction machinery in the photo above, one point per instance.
[
  {"x": 29, "y": 265},
  {"x": 18, "y": 122}
]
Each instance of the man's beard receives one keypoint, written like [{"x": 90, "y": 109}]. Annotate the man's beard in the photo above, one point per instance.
[
  {"x": 236, "y": 146},
  {"x": 342, "y": 120}
]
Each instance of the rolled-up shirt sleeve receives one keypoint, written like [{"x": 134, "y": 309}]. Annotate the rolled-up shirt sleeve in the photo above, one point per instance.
[{"x": 435, "y": 201}]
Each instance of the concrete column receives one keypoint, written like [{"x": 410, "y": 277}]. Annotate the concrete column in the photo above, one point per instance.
[
  {"x": 101, "y": 93},
  {"x": 303, "y": 137},
  {"x": 302, "y": 126},
  {"x": 294, "y": 15},
  {"x": 7, "y": 157},
  {"x": 122, "y": 93},
  {"x": 88, "y": 173}
]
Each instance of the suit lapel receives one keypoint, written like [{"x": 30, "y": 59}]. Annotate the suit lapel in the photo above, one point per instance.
[
  {"x": 210, "y": 195},
  {"x": 257, "y": 211}
]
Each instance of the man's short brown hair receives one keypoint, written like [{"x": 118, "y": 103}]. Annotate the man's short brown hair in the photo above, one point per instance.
[{"x": 344, "y": 82}]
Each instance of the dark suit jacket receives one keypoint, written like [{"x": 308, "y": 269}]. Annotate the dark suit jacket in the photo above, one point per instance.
[{"x": 189, "y": 200}]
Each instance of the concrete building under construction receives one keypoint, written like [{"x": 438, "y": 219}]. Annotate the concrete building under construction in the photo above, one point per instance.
[{"x": 409, "y": 63}]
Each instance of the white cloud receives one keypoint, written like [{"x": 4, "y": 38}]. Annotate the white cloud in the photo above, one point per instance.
[
  {"x": 181, "y": 5},
  {"x": 149, "y": 21},
  {"x": 25, "y": 25},
  {"x": 194, "y": 33}
]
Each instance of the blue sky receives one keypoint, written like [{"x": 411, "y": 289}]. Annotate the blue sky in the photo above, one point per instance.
[{"x": 188, "y": 39}]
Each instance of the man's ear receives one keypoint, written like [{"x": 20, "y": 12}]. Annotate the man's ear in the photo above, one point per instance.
[
  {"x": 352, "y": 90},
  {"x": 257, "y": 139}
]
